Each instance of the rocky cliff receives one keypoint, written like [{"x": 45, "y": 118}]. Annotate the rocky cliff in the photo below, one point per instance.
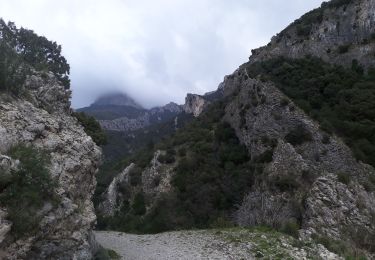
[
  {"x": 195, "y": 104},
  {"x": 331, "y": 208},
  {"x": 148, "y": 117},
  {"x": 339, "y": 32},
  {"x": 41, "y": 118}
]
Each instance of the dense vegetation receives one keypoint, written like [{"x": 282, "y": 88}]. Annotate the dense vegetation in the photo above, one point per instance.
[
  {"x": 21, "y": 50},
  {"x": 213, "y": 173},
  {"x": 123, "y": 144},
  {"x": 25, "y": 191},
  {"x": 122, "y": 147},
  {"x": 92, "y": 128},
  {"x": 342, "y": 100}
]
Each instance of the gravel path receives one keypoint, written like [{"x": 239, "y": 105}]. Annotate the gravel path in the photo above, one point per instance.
[{"x": 187, "y": 245}]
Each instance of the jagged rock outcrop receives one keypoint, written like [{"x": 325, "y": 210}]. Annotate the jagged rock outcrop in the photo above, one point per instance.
[
  {"x": 126, "y": 124},
  {"x": 338, "y": 32},
  {"x": 44, "y": 120},
  {"x": 195, "y": 104},
  {"x": 111, "y": 200},
  {"x": 154, "y": 181}
]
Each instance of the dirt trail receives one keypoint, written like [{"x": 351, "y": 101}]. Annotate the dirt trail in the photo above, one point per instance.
[{"x": 187, "y": 245}]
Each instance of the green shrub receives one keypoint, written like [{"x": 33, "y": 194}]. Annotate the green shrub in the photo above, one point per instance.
[
  {"x": 338, "y": 247},
  {"x": 285, "y": 183},
  {"x": 356, "y": 67},
  {"x": 343, "y": 248},
  {"x": 221, "y": 222},
  {"x": 92, "y": 128},
  {"x": 182, "y": 152},
  {"x": 326, "y": 139},
  {"x": 298, "y": 135},
  {"x": 113, "y": 254},
  {"x": 284, "y": 102},
  {"x": 304, "y": 29},
  {"x": 308, "y": 176},
  {"x": 12, "y": 72},
  {"x": 37, "y": 52},
  {"x": 343, "y": 48},
  {"x": 139, "y": 206},
  {"x": 168, "y": 158},
  {"x": 135, "y": 175},
  {"x": 291, "y": 228},
  {"x": 29, "y": 188},
  {"x": 265, "y": 157},
  {"x": 106, "y": 254},
  {"x": 372, "y": 178},
  {"x": 343, "y": 178}
]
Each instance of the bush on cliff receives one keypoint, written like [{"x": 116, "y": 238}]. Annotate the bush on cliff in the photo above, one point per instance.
[
  {"x": 92, "y": 128},
  {"x": 341, "y": 99},
  {"x": 28, "y": 189}
]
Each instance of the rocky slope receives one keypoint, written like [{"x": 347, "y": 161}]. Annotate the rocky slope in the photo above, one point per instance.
[
  {"x": 39, "y": 117},
  {"x": 331, "y": 208},
  {"x": 338, "y": 32}
]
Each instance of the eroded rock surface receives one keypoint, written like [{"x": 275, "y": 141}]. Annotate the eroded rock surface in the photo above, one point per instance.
[
  {"x": 44, "y": 120},
  {"x": 337, "y": 35},
  {"x": 195, "y": 104}
]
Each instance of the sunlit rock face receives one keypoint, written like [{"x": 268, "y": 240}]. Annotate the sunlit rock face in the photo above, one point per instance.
[{"x": 195, "y": 104}]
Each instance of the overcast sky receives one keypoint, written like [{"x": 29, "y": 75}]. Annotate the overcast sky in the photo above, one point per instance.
[{"x": 154, "y": 50}]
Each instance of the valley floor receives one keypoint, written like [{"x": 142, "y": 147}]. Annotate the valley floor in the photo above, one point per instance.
[{"x": 209, "y": 244}]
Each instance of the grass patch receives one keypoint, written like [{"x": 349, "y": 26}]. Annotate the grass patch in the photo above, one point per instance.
[{"x": 106, "y": 254}]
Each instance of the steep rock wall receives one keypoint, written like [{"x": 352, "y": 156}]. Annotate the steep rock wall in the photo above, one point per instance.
[
  {"x": 338, "y": 35},
  {"x": 44, "y": 120}
]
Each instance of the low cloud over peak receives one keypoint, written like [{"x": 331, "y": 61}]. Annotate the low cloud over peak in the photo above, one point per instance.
[{"x": 156, "y": 51}]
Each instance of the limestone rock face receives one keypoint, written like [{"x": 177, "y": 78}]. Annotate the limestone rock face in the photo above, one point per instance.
[
  {"x": 336, "y": 209},
  {"x": 154, "y": 181},
  {"x": 44, "y": 120},
  {"x": 268, "y": 119},
  {"x": 262, "y": 117},
  {"x": 110, "y": 203},
  {"x": 126, "y": 124},
  {"x": 146, "y": 118},
  {"x": 195, "y": 104},
  {"x": 338, "y": 35}
]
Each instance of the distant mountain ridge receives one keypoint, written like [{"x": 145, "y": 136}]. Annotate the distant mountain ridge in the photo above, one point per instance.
[
  {"x": 130, "y": 127},
  {"x": 116, "y": 99},
  {"x": 119, "y": 112}
]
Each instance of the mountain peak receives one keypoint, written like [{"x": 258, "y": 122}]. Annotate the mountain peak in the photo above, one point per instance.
[{"x": 116, "y": 99}]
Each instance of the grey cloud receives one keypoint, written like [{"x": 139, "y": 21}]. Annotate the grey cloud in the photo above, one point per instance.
[{"x": 156, "y": 51}]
